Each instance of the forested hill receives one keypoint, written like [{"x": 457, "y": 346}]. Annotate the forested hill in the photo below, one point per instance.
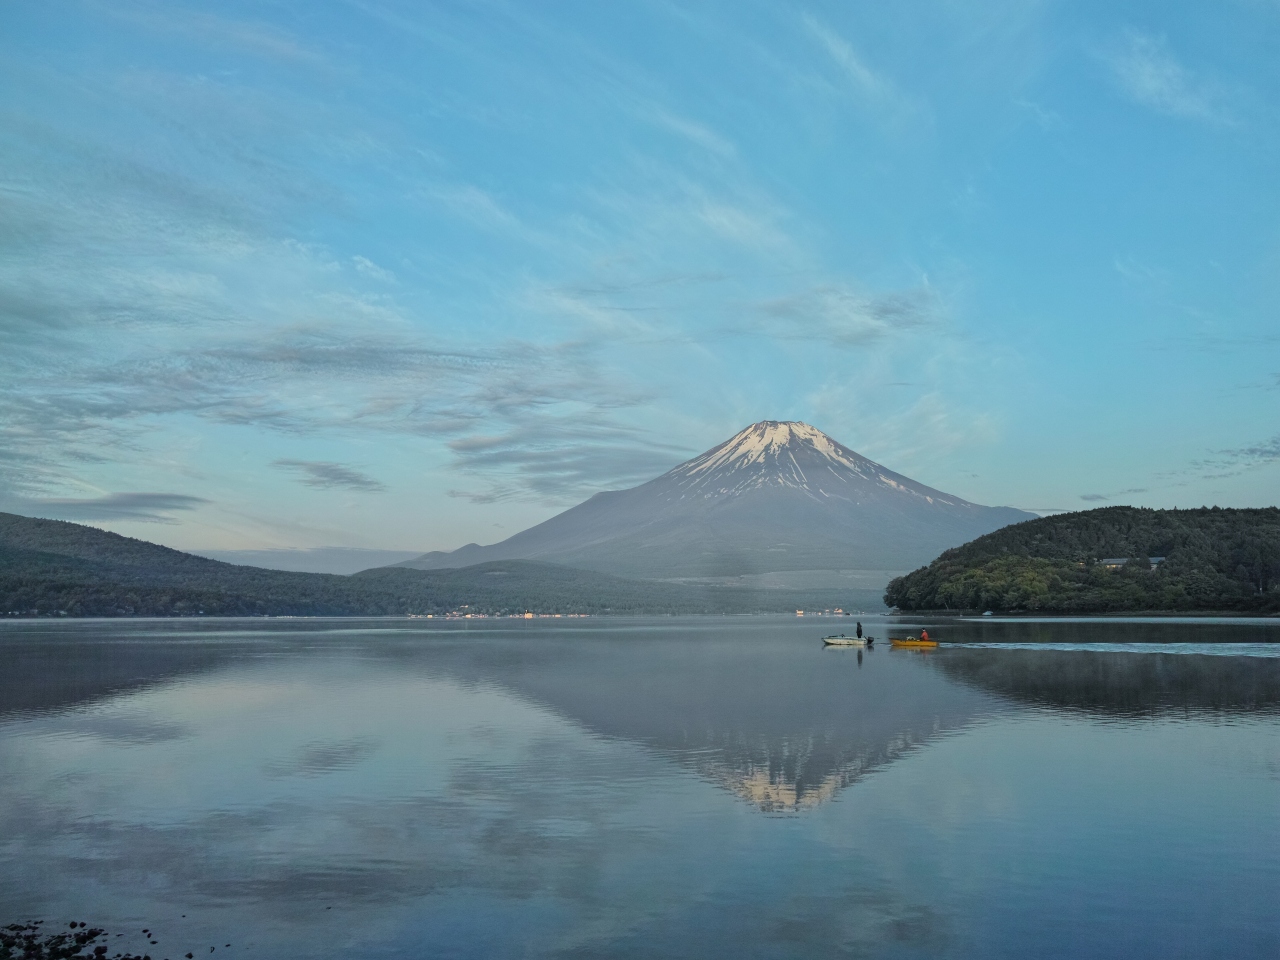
[
  {"x": 54, "y": 568},
  {"x": 1214, "y": 560}
]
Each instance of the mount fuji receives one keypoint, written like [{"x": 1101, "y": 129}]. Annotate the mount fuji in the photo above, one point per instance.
[{"x": 779, "y": 496}]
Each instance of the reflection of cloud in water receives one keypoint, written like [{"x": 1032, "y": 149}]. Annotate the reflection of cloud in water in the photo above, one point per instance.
[{"x": 323, "y": 756}]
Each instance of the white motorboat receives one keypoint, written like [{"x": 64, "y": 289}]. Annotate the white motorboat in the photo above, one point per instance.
[{"x": 842, "y": 641}]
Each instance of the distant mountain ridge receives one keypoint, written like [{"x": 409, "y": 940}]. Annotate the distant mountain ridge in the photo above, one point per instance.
[
  {"x": 779, "y": 495},
  {"x": 55, "y": 568}
]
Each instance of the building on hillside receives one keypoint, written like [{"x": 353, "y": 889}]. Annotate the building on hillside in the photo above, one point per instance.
[{"x": 1115, "y": 563}]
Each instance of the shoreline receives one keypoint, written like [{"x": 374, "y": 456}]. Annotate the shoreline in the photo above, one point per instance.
[{"x": 952, "y": 616}]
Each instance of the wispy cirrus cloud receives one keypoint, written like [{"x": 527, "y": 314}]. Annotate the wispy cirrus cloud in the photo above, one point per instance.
[
  {"x": 692, "y": 131},
  {"x": 256, "y": 38},
  {"x": 370, "y": 269},
  {"x": 326, "y": 474},
  {"x": 550, "y": 458},
  {"x": 165, "y": 298},
  {"x": 1232, "y": 462},
  {"x": 1050, "y": 121},
  {"x": 868, "y": 87},
  {"x": 483, "y": 209},
  {"x": 139, "y": 507},
  {"x": 556, "y": 412},
  {"x": 1257, "y": 454},
  {"x": 845, "y": 316},
  {"x": 930, "y": 428},
  {"x": 1149, "y": 74},
  {"x": 177, "y": 276},
  {"x": 1103, "y": 497},
  {"x": 866, "y": 81}
]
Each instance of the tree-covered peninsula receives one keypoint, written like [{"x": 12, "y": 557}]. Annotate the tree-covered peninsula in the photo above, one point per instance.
[{"x": 1111, "y": 560}]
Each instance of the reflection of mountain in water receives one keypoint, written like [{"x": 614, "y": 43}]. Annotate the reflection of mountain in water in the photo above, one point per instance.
[
  {"x": 780, "y": 775},
  {"x": 766, "y": 713},
  {"x": 784, "y": 725},
  {"x": 755, "y": 706},
  {"x": 1121, "y": 684}
]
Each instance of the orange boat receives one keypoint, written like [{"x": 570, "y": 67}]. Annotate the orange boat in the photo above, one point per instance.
[{"x": 912, "y": 642}]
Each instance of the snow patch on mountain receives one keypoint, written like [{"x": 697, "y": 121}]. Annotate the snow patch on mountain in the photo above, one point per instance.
[{"x": 782, "y": 453}]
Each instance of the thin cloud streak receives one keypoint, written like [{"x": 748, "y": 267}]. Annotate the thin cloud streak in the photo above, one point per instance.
[
  {"x": 692, "y": 131},
  {"x": 1149, "y": 74},
  {"x": 138, "y": 507},
  {"x": 1102, "y": 497},
  {"x": 552, "y": 458},
  {"x": 256, "y": 38},
  {"x": 326, "y": 475},
  {"x": 1268, "y": 451},
  {"x": 866, "y": 81},
  {"x": 1236, "y": 461},
  {"x": 842, "y": 316},
  {"x": 869, "y": 88},
  {"x": 555, "y": 410}
]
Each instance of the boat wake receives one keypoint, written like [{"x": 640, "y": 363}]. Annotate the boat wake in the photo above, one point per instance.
[{"x": 1270, "y": 650}]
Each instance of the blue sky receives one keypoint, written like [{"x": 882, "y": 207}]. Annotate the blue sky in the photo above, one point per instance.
[{"x": 408, "y": 275}]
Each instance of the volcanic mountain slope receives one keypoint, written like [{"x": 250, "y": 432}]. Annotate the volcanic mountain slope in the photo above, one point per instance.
[{"x": 778, "y": 496}]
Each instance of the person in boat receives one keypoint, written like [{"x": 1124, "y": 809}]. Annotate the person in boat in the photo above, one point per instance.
[
  {"x": 924, "y": 634},
  {"x": 859, "y": 629}
]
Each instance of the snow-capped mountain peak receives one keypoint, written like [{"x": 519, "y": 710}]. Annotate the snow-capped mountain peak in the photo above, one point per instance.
[
  {"x": 789, "y": 453},
  {"x": 767, "y": 440}
]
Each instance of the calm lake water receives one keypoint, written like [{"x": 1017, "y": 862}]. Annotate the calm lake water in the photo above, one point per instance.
[{"x": 693, "y": 788}]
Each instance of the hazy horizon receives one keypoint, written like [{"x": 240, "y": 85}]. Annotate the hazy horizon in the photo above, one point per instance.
[{"x": 399, "y": 277}]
